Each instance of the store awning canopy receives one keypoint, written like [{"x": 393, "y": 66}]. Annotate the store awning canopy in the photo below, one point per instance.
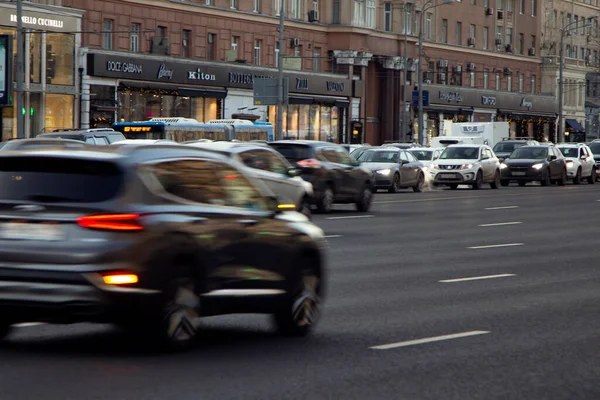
[
  {"x": 325, "y": 101},
  {"x": 174, "y": 90},
  {"x": 573, "y": 124}
]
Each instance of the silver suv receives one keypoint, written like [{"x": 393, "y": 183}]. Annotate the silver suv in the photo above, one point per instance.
[{"x": 464, "y": 164}]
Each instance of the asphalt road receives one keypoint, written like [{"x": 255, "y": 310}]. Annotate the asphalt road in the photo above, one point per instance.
[{"x": 530, "y": 330}]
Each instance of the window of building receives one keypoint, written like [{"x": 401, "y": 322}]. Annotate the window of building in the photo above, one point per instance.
[
  {"x": 499, "y": 5},
  {"x": 485, "y": 79},
  {"x": 509, "y": 36},
  {"x": 473, "y": 2},
  {"x": 486, "y": 3},
  {"x": 595, "y": 27},
  {"x": 444, "y": 31},
  {"x": 568, "y": 20},
  {"x": 210, "y": 2},
  {"x": 257, "y": 46},
  {"x": 134, "y": 38},
  {"x": 532, "y": 42},
  {"x": 316, "y": 59},
  {"x": 277, "y": 52},
  {"x": 428, "y": 26},
  {"x": 59, "y": 111},
  {"x": 568, "y": 51},
  {"x": 298, "y": 54},
  {"x": 582, "y": 53},
  {"x": 358, "y": 18},
  {"x": 336, "y": 11},
  {"x": 582, "y": 28},
  {"x": 185, "y": 43},
  {"x": 576, "y": 23},
  {"x": 472, "y": 78},
  {"x": 107, "y": 34},
  {"x": 533, "y": 8},
  {"x": 499, "y": 36},
  {"x": 522, "y": 7},
  {"x": 235, "y": 40},
  {"x": 296, "y": 10},
  {"x": 459, "y": 33},
  {"x": 371, "y": 18},
  {"x": 509, "y": 5},
  {"x": 595, "y": 58},
  {"x": 60, "y": 58},
  {"x": 554, "y": 18},
  {"x": 233, "y": 4},
  {"x": 161, "y": 32},
  {"x": 520, "y": 82},
  {"x": 256, "y": 5},
  {"x": 532, "y": 84},
  {"x": 408, "y": 21},
  {"x": 497, "y": 80},
  {"x": 387, "y": 16},
  {"x": 277, "y": 7},
  {"x": 211, "y": 46},
  {"x": 520, "y": 43},
  {"x": 486, "y": 33},
  {"x": 509, "y": 83},
  {"x": 472, "y": 30}
]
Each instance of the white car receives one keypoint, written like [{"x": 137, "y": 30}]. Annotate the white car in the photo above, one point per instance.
[
  {"x": 464, "y": 164},
  {"x": 580, "y": 162},
  {"x": 426, "y": 155}
]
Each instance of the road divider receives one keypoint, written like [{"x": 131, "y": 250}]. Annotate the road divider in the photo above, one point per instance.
[
  {"x": 500, "y": 224},
  {"x": 428, "y": 340},
  {"x": 492, "y": 246},
  {"x": 476, "y": 278},
  {"x": 352, "y": 217}
]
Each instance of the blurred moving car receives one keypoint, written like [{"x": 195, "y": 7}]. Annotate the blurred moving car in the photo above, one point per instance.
[
  {"x": 503, "y": 148},
  {"x": 594, "y": 146},
  {"x": 269, "y": 166},
  {"x": 99, "y": 136},
  {"x": 403, "y": 146},
  {"x": 335, "y": 175},
  {"x": 150, "y": 238},
  {"x": 426, "y": 155},
  {"x": 545, "y": 164},
  {"x": 143, "y": 141},
  {"x": 461, "y": 164},
  {"x": 580, "y": 162},
  {"x": 37, "y": 143},
  {"x": 394, "y": 169}
]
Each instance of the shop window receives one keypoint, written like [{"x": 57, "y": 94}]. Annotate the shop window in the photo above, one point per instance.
[
  {"x": 312, "y": 122},
  {"x": 35, "y": 58},
  {"x": 60, "y": 62},
  {"x": 59, "y": 111}
]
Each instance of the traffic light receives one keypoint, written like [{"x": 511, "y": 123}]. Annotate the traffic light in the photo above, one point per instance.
[{"x": 357, "y": 132}]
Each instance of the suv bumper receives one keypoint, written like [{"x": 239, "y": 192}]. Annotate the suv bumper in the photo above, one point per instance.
[{"x": 453, "y": 177}]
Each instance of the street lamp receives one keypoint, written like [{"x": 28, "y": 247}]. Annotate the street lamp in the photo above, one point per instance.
[
  {"x": 406, "y": 7},
  {"x": 560, "y": 137},
  {"x": 429, "y": 4}
]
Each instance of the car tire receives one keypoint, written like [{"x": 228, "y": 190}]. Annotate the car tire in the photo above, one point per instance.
[
  {"x": 577, "y": 178},
  {"x": 504, "y": 182},
  {"x": 522, "y": 183},
  {"x": 326, "y": 203},
  {"x": 304, "y": 208},
  {"x": 592, "y": 178},
  {"x": 563, "y": 179},
  {"x": 301, "y": 309},
  {"x": 478, "y": 181},
  {"x": 418, "y": 188},
  {"x": 395, "y": 186},
  {"x": 546, "y": 180},
  {"x": 364, "y": 200},
  {"x": 453, "y": 186},
  {"x": 497, "y": 182}
]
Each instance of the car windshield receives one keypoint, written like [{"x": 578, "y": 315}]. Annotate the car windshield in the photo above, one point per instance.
[
  {"x": 422, "y": 155},
  {"x": 460, "y": 153},
  {"x": 530, "y": 153},
  {"x": 595, "y": 147},
  {"x": 506, "y": 147},
  {"x": 379, "y": 156},
  {"x": 569, "y": 151}
]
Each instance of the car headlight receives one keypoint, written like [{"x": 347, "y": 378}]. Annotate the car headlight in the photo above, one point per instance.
[
  {"x": 537, "y": 166},
  {"x": 435, "y": 166},
  {"x": 466, "y": 166},
  {"x": 384, "y": 171},
  {"x": 569, "y": 164},
  {"x": 502, "y": 166}
]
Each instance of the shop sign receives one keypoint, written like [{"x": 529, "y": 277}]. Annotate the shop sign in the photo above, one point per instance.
[
  {"x": 127, "y": 67},
  {"x": 488, "y": 100},
  {"x": 526, "y": 103},
  {"x": 201, "y": 76},
  {"x": 245, "y": 79},
  {"x": 28, "y": 20},
  {"x": 301, "y": 84},
  {"x": 451, "y": 96},
  {"x": 335, "y": 86},
  {"x": 164, "y": 72}
]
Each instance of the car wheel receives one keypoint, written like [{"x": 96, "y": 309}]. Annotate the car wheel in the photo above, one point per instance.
[
  {"x": 395, "y": 187},
  {"x": 577, "y": 178},
  {"x": 301, "y": 309},
  {"x": 478, "y": 181},
  {"x": 326, "y": 203},
  {"x": 418, "y": 188},
  {"x": 496, "y": 184},
  {"x": 522, "y": 183},
  {"x": 592, "y": 178},
  {"x": 453, "y": 186},
  {"x": 305, "y": 207},
  {"x": 546, "y": 181},
  {"x": 563, "y": 179},
  {"x": 4, "y": 329},
  {"x": 364, "y": 200},
  {"x": 504, "y": 182}
]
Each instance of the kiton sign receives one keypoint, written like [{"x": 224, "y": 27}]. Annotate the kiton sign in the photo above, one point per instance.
[{"x": 55, "y": 23}]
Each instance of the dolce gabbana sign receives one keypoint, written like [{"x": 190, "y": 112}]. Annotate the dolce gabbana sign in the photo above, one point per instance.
[
  {"x": 125, "y": 67},
  {"x": 451, "y": 96}
]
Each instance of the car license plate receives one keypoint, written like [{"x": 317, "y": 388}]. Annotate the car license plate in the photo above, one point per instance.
[
  {"x": 29, "y": 231},
  {"x": 518, "y": 173},
  {"x": 447, "y": 176}
]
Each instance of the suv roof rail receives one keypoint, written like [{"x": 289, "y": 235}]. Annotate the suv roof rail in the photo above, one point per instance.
[{"x": 84, "y": 130}]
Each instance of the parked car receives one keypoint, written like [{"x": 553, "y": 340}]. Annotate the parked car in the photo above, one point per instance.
[
  {"x": 98, "y": 136},
  {"x": 394, "y": 169},
  {"x": 150, "y": 237},
  {"x": 466, "y": 164},
  {"x": 545, "y": 164},
  {"x": 335, "y": 175},
  {"x": 580, "y": 162},
  {"x": 503, "y": 148},
  {"x": 268, "y": 165}
]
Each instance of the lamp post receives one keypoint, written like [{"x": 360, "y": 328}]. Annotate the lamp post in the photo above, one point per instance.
[
  {"x": 280, "y": 88},
  {"x": 560, "y": 137},
  {"x": 406, "y": 7},
  {"x": 429, "y": 4},
  {"x": 20, "y": 68}
]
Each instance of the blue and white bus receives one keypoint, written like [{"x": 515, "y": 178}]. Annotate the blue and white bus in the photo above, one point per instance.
[{"x": 188, "y": 129}]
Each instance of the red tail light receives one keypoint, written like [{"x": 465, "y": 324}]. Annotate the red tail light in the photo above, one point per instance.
[
  {"x": 310, "y": 163},
  {"x": 111, "y": 222}
]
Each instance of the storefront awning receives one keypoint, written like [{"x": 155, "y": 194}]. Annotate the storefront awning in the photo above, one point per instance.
[
  {"x": 328, "y": 101},
  {"x": 525, "y": 115},
  {"x": 573, "y": 124},
  {"x": 448, "y": 108},
  {"x": 176, "y": 90}
]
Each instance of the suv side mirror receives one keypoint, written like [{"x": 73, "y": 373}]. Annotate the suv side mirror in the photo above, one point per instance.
[
  {"x": 356, "y": 163},
  {"x": 553, "y": 157},
  {"x": 583, "y": 157},
  {"x": 293, "y": 172},
  {"x": 404, "y": 162},
  {"x": 485, "y": 157}
]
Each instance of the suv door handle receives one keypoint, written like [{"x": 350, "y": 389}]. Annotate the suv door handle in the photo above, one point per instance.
[{"x": 248, "y": 222}]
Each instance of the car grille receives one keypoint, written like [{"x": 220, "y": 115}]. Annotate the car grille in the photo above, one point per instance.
[
  {"x": 449, "y": 167},
  {"x": 519, "y": 169}
]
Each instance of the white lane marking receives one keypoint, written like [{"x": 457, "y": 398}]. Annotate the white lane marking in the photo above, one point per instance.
[
  {"x": 428, "y": 340},
  {"x": 491, "y": 246},
  {"x": 501, "y": 208},
  {"x": 475, "y": 278},
  {"x": 28, "y": 324},
  {"x": 333, "y": 236},
  {"x": 352, "y": 216},
  {"x": 501, "y": 224}
]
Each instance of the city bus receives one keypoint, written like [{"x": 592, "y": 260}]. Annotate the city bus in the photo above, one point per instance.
[{"x": 188, "y": 129}]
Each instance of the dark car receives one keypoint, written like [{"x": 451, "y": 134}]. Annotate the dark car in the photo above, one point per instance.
[
  {"x": 595, "y": 147},
  {"x": 98, "y": 136},
  {"x": 150, "y": 237},
  {"x": 545, "y": 164},
  {"x": 504, "y": 148},
  {"x": 394, "y": 169},
  {"x": 335, "y": 175}
]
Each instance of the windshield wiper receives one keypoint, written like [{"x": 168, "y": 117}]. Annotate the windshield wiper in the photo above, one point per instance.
[{"x": 48, "y": 198}]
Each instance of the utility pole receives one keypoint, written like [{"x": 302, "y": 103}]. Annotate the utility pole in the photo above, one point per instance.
[
  {"x": 280, "y": 88},
  {"x": 405, "y": 77},
  {"x": 20, "y": 69},
  {"x": 420, "y": 128}
]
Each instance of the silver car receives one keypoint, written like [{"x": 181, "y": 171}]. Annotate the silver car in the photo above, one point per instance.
[
  {"x": 270, "y": 167},
  {"x": 393, "y": 169}
]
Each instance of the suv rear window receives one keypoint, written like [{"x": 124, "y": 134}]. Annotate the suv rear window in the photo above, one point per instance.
[
  {"x": 53, "y": 179},
  {"x": 294, "y": 152}
]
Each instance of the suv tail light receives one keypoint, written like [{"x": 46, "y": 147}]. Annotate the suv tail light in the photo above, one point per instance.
[
  {"x": 310, "y": 163},
  {"x": 111, "y": 222}
]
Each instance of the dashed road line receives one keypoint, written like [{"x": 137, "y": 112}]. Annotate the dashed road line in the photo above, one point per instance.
[
  {"x": 501, "y": 224},
  {"x": 501, "y": 208},
  {"x": 333, "y": 236},
  {"x": 476, "y": 278},
  {"x": 491, "y": 246},
  {"x": 429, "y": 340},
  {"x": 352, "y": 217}
]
